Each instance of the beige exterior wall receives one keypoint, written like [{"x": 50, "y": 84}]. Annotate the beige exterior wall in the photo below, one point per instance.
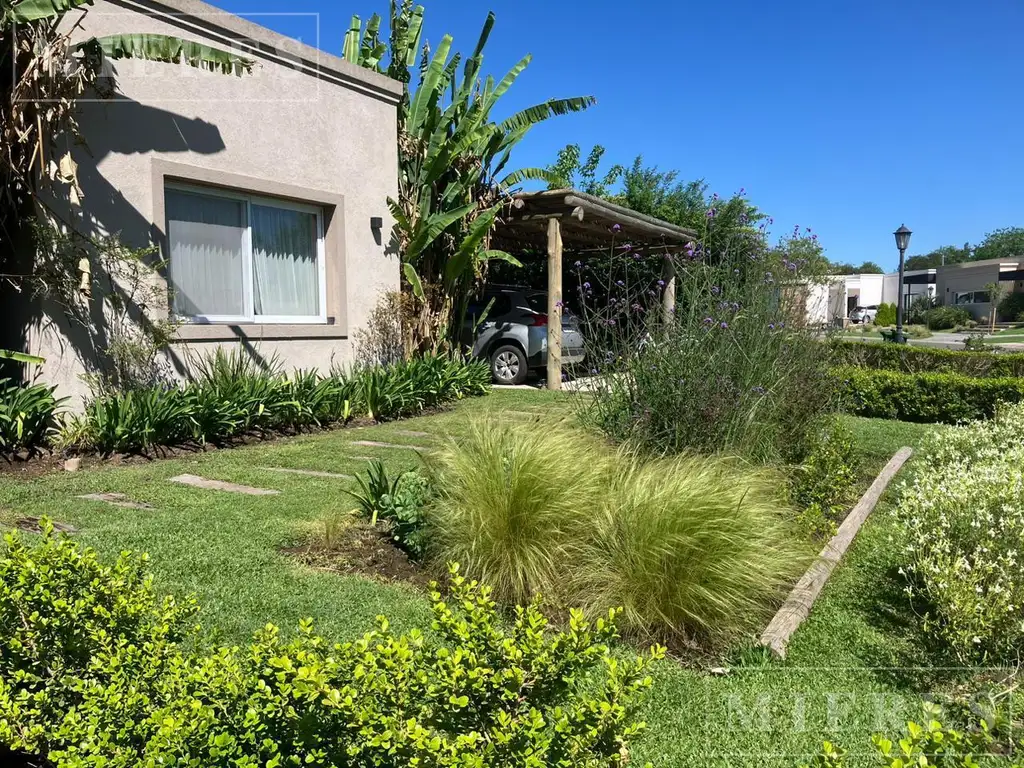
[
  {"x": 971, "y": 276},
  {"x": 304, "y": 126}
]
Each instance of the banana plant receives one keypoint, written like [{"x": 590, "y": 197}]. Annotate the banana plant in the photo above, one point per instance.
[{"x": 453, "y": 159}]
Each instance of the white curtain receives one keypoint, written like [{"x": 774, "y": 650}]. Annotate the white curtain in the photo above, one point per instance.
[
  {"x": 206, "y": 236},
  {"x": 284, "y": 258}
]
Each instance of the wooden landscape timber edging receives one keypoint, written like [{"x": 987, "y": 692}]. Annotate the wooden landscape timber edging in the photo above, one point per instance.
[{"x": 800, "y": 601}]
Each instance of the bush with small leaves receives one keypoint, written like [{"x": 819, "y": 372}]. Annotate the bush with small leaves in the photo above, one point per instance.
[
  {"x": 96, "y": 671},
  {"x": 927, "y": 745}
]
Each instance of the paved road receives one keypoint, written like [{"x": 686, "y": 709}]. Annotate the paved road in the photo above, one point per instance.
[{"x": 937, "y": 341}]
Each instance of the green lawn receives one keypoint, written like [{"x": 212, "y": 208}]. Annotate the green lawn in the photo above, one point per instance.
[{"x": 225, "y": 548}]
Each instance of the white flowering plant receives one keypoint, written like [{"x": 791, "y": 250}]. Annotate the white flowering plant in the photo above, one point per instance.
[{"x": 961, "y": 524}]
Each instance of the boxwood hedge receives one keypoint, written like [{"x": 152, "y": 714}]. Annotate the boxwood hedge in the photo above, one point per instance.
[
  {"x": 924, "y": 397},
  {"x": 908, "y": 359}
]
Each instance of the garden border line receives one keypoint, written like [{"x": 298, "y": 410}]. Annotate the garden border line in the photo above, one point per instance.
[{"x": 800, "y": 601}]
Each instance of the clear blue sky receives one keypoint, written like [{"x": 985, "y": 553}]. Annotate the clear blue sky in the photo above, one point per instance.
[{"x": 848, "y": 117}]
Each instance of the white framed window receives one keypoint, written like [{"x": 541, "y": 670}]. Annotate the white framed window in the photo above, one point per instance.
[{"x": 239, "y": 258}]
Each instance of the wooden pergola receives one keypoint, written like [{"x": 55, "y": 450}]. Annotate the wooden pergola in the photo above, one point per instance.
[{"x": 563, "y": 221}]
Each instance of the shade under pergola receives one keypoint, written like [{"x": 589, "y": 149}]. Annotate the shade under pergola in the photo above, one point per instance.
[{"x": 559, "y": 220}]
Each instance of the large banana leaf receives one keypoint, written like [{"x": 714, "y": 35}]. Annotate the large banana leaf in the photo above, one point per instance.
[
  {"x": 428, "y": 93},
  {"x": 171, "y": 50},
  {"x": 540, "y": 112},
  {"x": 470, "y": 248},
  {"x": 429, "y": 228},
  {"x": 21, "y": 357},
  {"x": 516, "y": 178},
  {"x": 36, "y": 10}
]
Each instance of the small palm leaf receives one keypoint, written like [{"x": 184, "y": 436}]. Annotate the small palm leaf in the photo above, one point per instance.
[
  {"x": 35, "y": 10},
  {"x": 353, "y": 35},
  {"x": 414, "y": 280},
  {"x": 21, "y": 357},
  {"x": 171, "y": 50}
]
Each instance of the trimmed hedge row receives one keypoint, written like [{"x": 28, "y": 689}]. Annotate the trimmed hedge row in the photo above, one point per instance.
[
  {"x": 924, "y": 397},
  {"x": 907, "y": 359}
]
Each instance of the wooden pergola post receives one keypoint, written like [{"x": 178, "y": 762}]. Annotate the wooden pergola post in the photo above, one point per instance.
[
  {"x": 554, "y": 304},
  {"x": 668, "y": 295}
]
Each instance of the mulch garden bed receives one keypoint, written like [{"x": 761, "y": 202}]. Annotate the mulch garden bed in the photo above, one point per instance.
[{"x": 356, "y": 548}]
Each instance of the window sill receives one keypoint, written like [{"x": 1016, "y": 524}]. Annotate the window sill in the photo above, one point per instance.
[{"x": 257, "y": 332}]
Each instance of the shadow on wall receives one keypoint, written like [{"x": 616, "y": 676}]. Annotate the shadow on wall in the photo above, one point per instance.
[{"x": 116, "y": 126}]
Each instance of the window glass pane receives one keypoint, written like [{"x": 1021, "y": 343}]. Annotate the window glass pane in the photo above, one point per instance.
[
  {"x": 206, "y": 237},
  {"x": 284, "y": 262},
  {"x": 981, "y": 297}
]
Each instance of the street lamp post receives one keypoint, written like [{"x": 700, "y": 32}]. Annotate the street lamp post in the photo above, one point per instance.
[{"x": 902, "y": 236}]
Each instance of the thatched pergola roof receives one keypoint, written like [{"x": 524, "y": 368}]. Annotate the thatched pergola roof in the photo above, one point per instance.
[{"x": 588, "y": 224}]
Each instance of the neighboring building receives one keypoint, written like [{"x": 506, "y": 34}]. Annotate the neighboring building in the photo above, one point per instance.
[
  {"x": 836, "y": 296},
  {"x": 965, "y": 285},
  {"x": 916, "y": 283},
  {"x": 266, "y": 193},
  {"x": 962, "y": 285}
]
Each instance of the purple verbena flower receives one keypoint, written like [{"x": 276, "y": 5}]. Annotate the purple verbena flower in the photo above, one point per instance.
[
  {"x": 616, "y": 228},
  {"x": 723, "y": 324}
]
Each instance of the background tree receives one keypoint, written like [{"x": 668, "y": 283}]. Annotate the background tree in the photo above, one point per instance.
[
  {"x": 452, "y": 160},
  {"x": 570, "y": 171},
  {"x": 1006, "y": 243},
  {"x": 947, "y": 254}
]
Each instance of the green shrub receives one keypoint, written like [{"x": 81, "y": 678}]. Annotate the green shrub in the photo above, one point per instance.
[
  {"x": 1011, "y": 307},
  {"x": 399, "y": 503},
  {"x": 961, "y": 528},
  {"x": 735, "y": 369},
  {"x": 96, "y": 670},
  {"x": 920, "y": 305},
  {"x": 136, "y": 421},
  {"x": 821, "y": 484},
  {"x": 908, "y": 359},
  {"x": 692, "y": 547},
  {"x": 28, "y": 416},
  {"x": 975, "y": 342},
  {"x": 928, "y": 745},
  {"x": 233, "y": 394},
  {"x": 944, "y": 318},
  {"x": 924, "y": 397},
  {"x": 886, "y": 315}
]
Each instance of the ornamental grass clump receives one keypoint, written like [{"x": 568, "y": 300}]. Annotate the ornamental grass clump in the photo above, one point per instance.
[
  {"x": 961, "y": 531},
  {"x": 693, "y": 548},
  {"x": 690, "y": 547},
  {"x": 513, "y": 501}
]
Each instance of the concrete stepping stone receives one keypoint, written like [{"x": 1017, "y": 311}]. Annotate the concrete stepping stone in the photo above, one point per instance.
[
  {"x": 411, "y": 433},
  {"x": 307, "y": 472},
  {"x": 372, "y": 444},
  {"x": 116, "y": 500},
  {"x": 219, "y": 485},
  {"x": 33, "y": 525}
]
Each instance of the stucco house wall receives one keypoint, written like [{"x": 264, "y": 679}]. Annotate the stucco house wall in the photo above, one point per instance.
[
  {"x": 304, "y": 127},
  {"x": 969, "y": 277}
]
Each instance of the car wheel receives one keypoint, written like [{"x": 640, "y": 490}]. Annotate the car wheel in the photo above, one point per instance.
[{"x": 508, "y": 365}]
